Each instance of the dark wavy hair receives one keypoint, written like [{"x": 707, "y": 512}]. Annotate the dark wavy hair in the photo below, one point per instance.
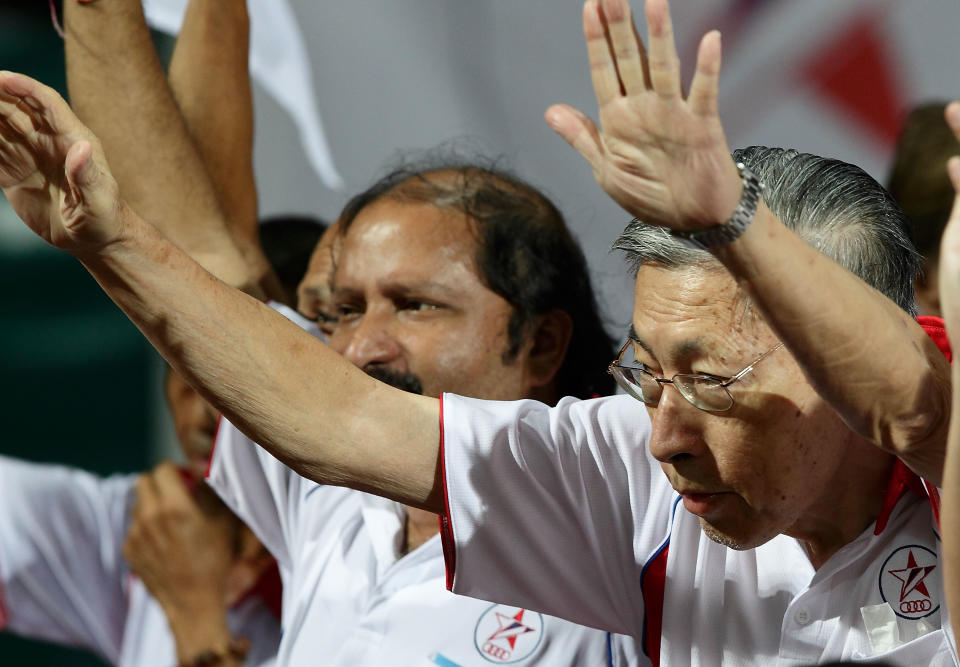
[{"x": 525, "y": 253}]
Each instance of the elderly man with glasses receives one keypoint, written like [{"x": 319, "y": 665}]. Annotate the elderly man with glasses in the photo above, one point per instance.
[{"x": 804, "y": 533}]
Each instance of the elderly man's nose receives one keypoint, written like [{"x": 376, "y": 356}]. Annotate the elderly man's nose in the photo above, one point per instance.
[{"x": 675, "y": 433}]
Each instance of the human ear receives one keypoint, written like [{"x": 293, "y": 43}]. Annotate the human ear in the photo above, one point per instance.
[{"x": 548, "y": 343}]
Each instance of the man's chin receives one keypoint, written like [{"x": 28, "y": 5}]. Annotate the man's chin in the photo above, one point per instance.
[{"x": 733, "y": 539}]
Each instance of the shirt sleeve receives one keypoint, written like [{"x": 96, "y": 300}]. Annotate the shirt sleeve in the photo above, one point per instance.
[
  {"x": 261, "y": 490},
  {"x": 62, "y": 573},
  {"x": 554, "y": 509}
]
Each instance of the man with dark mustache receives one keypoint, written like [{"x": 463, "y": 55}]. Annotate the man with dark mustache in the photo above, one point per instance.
[{"x": 444, "y": 276}]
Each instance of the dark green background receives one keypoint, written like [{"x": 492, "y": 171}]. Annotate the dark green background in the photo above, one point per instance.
[{"x": 75, "y": 376}]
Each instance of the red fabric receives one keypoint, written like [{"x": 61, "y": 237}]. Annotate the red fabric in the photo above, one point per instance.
[
  {"x": 446, "y": 527},
  {"x": 269, "y": 588},
  {"x": 902, "y": 479},
  {"x": 938, "y": 334},
  {"x": 653, "y": 579}
]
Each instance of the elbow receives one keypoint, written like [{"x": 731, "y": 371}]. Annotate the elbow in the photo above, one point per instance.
[{"x": 917, "y": 434}]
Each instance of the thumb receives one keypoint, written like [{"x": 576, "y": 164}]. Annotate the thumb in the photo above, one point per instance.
[
  {"x": 90, "y": 198},
  {"x": 577, "y": 130},
  {"x": 81, "y": 174}
]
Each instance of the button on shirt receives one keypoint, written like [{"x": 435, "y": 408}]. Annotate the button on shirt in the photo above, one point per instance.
[{"x": 564, "y": 510}]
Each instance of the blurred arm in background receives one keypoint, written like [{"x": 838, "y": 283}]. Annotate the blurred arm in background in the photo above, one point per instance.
[
  {"x": 117, "y": 86},
  {"x": 210, "y": 79},
  {"x": 949, "y": 281}
]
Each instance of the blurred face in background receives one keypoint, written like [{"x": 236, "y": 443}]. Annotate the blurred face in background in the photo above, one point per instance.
[
  {"x": 412, "y": 310},
  {"x": 195, "y": 422},
  {"x": 314, "y": 294}
]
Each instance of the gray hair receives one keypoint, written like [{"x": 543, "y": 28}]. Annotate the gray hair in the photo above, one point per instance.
[{"x": 835, "y": 207}]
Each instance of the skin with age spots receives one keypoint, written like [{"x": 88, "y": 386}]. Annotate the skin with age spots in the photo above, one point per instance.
[{"x": 779, "y": 461}]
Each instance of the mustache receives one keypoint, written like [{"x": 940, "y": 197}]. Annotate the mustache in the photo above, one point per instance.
[{"x": 405, "y": 381}]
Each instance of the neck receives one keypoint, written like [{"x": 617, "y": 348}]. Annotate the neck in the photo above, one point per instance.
[
  {"x": 852, "y": 504},
  {"x": 420, "y": 526}
]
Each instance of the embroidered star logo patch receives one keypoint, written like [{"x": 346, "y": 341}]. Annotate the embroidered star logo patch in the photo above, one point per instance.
[{"x": 910, "y": 582}]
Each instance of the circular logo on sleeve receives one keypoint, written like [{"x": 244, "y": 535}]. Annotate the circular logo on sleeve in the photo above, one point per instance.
[
  {"x": 508, "y": 634},
  {"x": 910, "y": 582}
]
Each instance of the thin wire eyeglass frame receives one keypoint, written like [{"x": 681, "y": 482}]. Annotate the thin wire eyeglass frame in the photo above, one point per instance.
[{"x": 618, "y": 371}]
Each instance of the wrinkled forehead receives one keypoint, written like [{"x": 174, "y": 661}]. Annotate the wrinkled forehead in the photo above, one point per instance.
[
  {"x": 408, "y": 239},
  {"x": 693, "y": 308}
]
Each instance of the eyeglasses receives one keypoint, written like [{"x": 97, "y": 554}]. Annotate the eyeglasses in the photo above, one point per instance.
[{"x": 703, "y": 391}]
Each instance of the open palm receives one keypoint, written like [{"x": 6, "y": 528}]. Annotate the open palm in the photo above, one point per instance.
[{"x": 662, "y": 157}]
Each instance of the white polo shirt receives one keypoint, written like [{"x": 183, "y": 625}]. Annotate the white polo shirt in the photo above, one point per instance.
[
  {"x": 63, "y": 578},
  {"x": 351, "y": 599},
  {"x": 564, "y": 510}
]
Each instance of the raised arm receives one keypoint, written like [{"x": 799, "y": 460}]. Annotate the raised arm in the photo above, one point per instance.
[
  {"x": 117, "y": 85},
  {"x": 210, "y": 79},
  {"x": 949, "y": 282},
  {"x": 282, "y": 387},
  {"x": 665, "y": 159}
]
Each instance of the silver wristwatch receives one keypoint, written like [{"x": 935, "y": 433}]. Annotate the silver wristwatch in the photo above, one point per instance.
[{"x": 711, "y": 237}]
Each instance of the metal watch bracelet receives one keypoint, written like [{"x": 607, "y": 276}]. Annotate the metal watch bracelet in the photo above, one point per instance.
[{"x": 717, "y": 235}]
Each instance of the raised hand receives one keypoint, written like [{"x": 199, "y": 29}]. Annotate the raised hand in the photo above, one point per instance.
[
  {"x": 181, "y": 545},
  {"x": 52, "y": 169},
  {"x": 662, "y": 157},
  {"x": 949, "y": 280}
]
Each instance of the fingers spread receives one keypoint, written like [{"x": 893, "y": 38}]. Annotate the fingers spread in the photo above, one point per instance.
[
  {"x": 663, "y": 60},
  {"x": 704, "y": 88},
  {"x": 577, "y": 130},
  {"x": 628, "y": 52},
  {"x": 603, "y": 72}
]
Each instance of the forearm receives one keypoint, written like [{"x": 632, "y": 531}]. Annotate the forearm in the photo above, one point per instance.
[
  {"x": 949, "y": 524},
  {"x": 210, "y": 80},
  {"x": 279, "y": 385},
  {"x": 118, "y": 87},
  {"x": 868, "y": 358}
]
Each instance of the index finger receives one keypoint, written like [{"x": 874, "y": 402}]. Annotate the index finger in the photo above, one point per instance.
[
  {"x": 170, "y": 485},
  {"x": 42, "y": 103}
]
